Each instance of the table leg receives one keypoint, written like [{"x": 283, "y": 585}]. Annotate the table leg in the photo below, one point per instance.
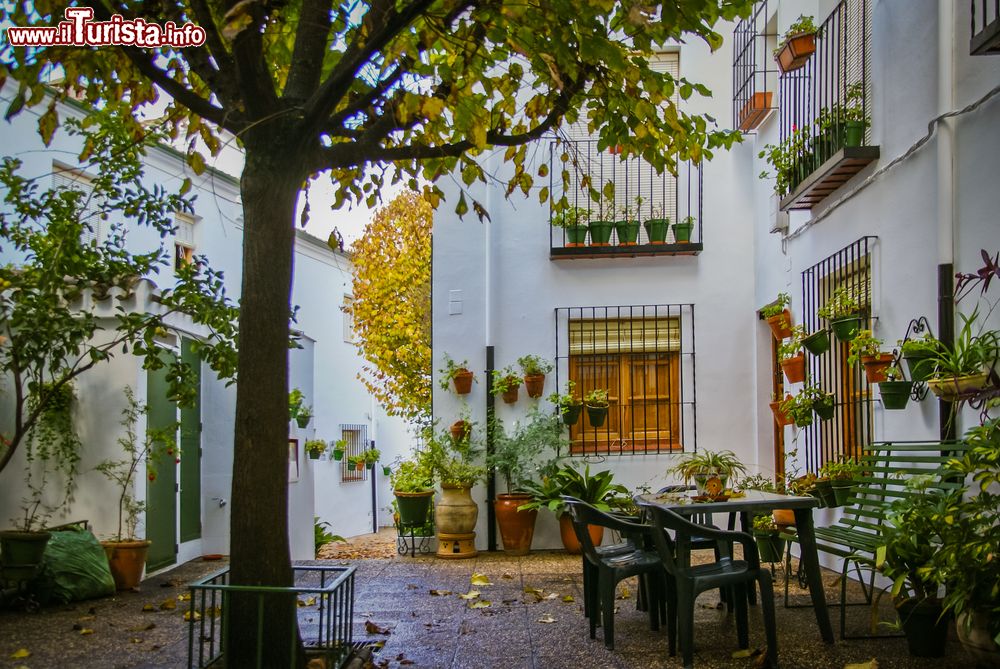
[{"x": 810, "y": 559}]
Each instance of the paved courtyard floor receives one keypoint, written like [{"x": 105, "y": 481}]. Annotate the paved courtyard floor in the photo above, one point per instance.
[{"x": 412, "y": 609}]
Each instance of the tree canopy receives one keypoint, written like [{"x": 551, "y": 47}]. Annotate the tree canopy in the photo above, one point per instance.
[{"x": 391, "y": 309}]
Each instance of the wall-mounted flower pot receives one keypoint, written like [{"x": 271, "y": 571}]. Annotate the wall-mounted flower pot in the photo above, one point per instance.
[
  {"x": 386, "y": 471},
  {"x": 755, "y": 110},
  {"x": 600, "y": 232},
  {"x": 854, "y": 133},
  {"x": 596, "y": 415},
  {"x": 303, "y": 421},
  {"x": 460, "y": 430},
  {"x": 824, "y": 491},
  {"x": 770, "y": 546},
  {"x": 876, "y": 366},
  {"x": 314, "y": 455},
  {"x": 817, "y": 343},
  {"x": 825, "y": 410},
  {"x": 895, "y": 394},
  {"x": 510, "y": 396},
  {"x": 796, "y": 52},
  {"x": 463, "y": 381},
  {"x": 846, "y": 328},
  {"x": 842, "y": 490},
  {"x": 338, "y": 454},
  {"x": 794, "y": 368},
  {"x": 780, "y": 417},
  {"x": 571, "y": 413},
  {"x": 656, "y": 230},
  {"x": 951, "y": 388},
  {"x": 576, "y": 235},
  {"x": 682, "y": 232},
  {"x": 628, "y": 232},
  {"x": 359, "y": 466},
  {"x": 920, "y": 366},
  {"x": 781, "y": 325},
  {"x": 535, "y": 385}
]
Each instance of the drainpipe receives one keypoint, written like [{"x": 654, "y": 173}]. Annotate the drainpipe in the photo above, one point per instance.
[
  {"x": 946, "y": 197},
  {"x": 491, "y": 481}
]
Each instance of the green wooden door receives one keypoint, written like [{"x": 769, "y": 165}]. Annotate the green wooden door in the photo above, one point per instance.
[
  {"x": 161, "y": 492},
  {"x": 190, "y": 496}
]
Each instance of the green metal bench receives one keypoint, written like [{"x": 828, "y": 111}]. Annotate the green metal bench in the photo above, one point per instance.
[{"x": 886, "y": 467}]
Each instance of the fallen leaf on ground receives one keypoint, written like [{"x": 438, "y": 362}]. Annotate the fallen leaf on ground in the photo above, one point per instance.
[
  {"x": 82, "y": 618},
  {"x": 20, "y": 654},
  {"x": 185, "y": 597},
  {"x": 568, "y": 599},
  {"x": 506, "y": 575},
  {"x": 440, "y": 593},
  {"x": 551, "y": 595},
  {"x": 189, "y": 617},
  {"x": 136, "y": 640},
  {"x": 870, "y": 664},
  {"x": 402, "y": 659},
  {"x": 547, "y": 618},
  {"x": 168, "y": 605},
  {"x": 146, "y": 608},
  {"x": 481, "y": 604},
  {"x": 310, "y": 601},
  {"x": 372, "y": 628},
  {"x": 625, "y": 593},
  {"x": 532, "y": 591},
  {"x": 471, "y": 594},
  {"x": 86, "y": 630},
  {"x": 481, "y": 579},
  {"x": 743, "y": 653}
]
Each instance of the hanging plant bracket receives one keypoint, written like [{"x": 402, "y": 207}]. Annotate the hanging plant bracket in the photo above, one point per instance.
[{"x": 917, "y": 326}]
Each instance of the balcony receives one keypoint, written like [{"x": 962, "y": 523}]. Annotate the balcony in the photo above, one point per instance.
[
  {"x": 825, "y": 110},
  {"x": 617, "y": 207},
  {"x": 985, "y": 28},
  {"x": 753, "y": 81}
]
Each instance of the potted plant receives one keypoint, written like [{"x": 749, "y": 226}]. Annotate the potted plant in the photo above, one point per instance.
[
  {"x": 356, "y": 462},
  {"x": 598, "y": 490},
  {"x": 842, "y": 475},
  {"x": 514, "y": 456},
  {"x": 370, "y": 457},
  {"x": 967, "y": 558},
  {"x": 710, "y": 470},
  {"x": 22, "y": 548},
  {"x": 454, "y": 468},
  {"x": 506, "y": 384},
  {"x": 912, "y": 540},
  {"x": 458, "y": 374},
  {"x": 412, "y": 482},
  {"x": 961, "y": 369},
  {"x": 793, "y": 360},
  {"x": 569, "y": 405},
  {"x": 799, "y": 408},
  {"x": 919, "y": 356},
  {"x": 534, "y": 370},
  {"x": 127, "y": 553},
  {"x": 460, "y": 430},
  {"x": 657, "y": 225},
  {"x": 823, "y": 403},
  {"x": 339, "y": 447},
  {"x": 315, "y": 448},
  {"x": 574, "y": 221},
  {"x": 817, "y": 343},
  {"x": 682, "y": 230},
  {"x": 798, "y": 44},
  {"x": 601, "y": 228},
  {"x": 868, "y": 350},
  {"x": 297, "y": 410},
  {"x": 842, "y": 312},
  {"x": 596, "y": 402},
  {"x": 780, "y": 417},
  {"x": 895, "y": 390},
  {"x": 778, "y": 317},
  {"x": 770, "y": 545},
  {"x": 627, "y": 225},
  {"x": 853, "y": 115}
]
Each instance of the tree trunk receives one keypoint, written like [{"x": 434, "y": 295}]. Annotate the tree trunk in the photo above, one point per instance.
[{"x": 259, "y": 523}]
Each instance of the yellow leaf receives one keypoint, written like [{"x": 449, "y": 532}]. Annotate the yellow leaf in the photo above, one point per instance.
[
  {"x": 188, "y": 615},
  {"x": 432, "y": 107},
  {"x": 547, "y": 618},
  {"x": 86, "y": 630},
  {"x": 481, "y": 579},
  {"x": 186, "y": 597},
  {"x": 148, "y": 607},
  {"x": 20, "y": 654},
  {"x": 740, "y": 654},
  {"x": 625, "y": 594},
  {"x": 568, "y": 599},
  {"x": 870, "y": 664},
  {"x": 168, "y": 605},
  {"x": 440, "y": 593},
  {"x": 306, "y": 602},
  {"x": 478, "y": 135},
  {"x": 471, "y": 594},
  {"x": 532, "y": 591},
  {"x": 481, "y": 604}
]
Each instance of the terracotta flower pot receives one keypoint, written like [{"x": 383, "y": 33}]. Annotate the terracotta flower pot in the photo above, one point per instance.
[
  {"x": 796, "y": 52},
  {"x": 460, "y": 430},
  {"x": 568, "y": 534},
  {"x": 516, "y": 527},
  {"x": 781, "y": 325},
  {"x": 535, "y": 385},
  {"x": 510, "y": 396},
  {"x": 795, "y": 368},
  {"x": 755, "y": 110},
  {"x": 783, "y": 517},
  {"x": 127, "y": 560},
  {"x": 875, "y": 366},
  {"x": 463, "y": 381},
  {"x": 780, "y": 417}
]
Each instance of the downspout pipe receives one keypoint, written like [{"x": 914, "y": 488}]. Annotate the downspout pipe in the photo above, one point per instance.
[
  {"x": 946, "y": 198},
  {"x": 491, "y": 480}
]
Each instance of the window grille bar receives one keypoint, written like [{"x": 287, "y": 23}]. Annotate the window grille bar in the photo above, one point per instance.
[{"x": 356, "y": 436}]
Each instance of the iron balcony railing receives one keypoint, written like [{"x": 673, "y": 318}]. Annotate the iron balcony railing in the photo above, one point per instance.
[
  {"x": 754, "y": 71},
  {"x": 818, "y": 99},
  {"x": 324, "y": 616},
  {"x": 985, "y": 27},
  {"x": 665, "y": 210}
]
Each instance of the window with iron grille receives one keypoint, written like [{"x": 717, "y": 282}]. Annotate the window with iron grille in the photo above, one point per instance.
[
  {"x": 985, "y": 28},
  {"x": 754, "y": 72},
  {"x": 851, "y": 428},
  {"x": 643, "y": 356},
  {"x": 356, "y": 437}
]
